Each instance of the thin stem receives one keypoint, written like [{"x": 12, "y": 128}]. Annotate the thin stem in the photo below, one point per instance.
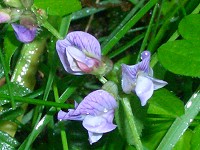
[
  {"x": 63, "y": 133},
  {"x": 10, "y": 91},
  {"x": 64, "y": 140},
  {"x": 37, "y": 102},
  {"x": 43, "y": 21},
  {"x": 131, "y": 121},
  {"x": 102, "y": 79},
  {"x": 144, "y": 43}
]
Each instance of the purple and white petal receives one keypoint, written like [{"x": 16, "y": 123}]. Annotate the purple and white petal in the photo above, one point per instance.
[
  {"x": 129, "y": 76},
  {"x": 99, "y": 124},
  {"x": 94, "y": 137},
  {"x": 69, "y": 115},
  {"x": 86, "y": 43},
  {"x": 24, "y": 34},
  {"x": 143, "y": 66},
  {"x": 157, "y": 83},
  {"x": 96, "y": 103},
  {"x": 144, "y": 89}
]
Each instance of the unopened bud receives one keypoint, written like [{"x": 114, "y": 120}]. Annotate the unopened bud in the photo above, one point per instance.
[{"x": 13, "y": 3}]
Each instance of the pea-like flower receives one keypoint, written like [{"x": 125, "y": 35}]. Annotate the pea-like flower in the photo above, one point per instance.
[
  {"x": 97, "y": 113},
  {"x": 24, "y": 34},
  {"x": 80, "y": 53},
  {"x": 139, "y": 79}
]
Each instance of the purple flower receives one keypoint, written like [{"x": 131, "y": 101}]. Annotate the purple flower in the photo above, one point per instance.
[
  {"x": 97, "y": 113},
  {"x": 79, "y": 53},
  {"x": 23, "y": 33},
  {"x": 139, "y": 79}
]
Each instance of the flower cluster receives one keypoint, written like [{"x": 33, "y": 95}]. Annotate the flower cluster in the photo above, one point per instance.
[{"x": 80, "y": 53}]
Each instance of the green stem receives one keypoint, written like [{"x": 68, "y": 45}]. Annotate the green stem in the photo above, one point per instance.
[
  {"x": 154, "y": 44},
  {"x": 37, "y": 102},
  {"x": 144, "y": 43},
  {"x": 116, "y": 36},
  {"x": 10, "y": 91},
  {"x": 63, "y": 133},
  {"x": 131, "y": 121},
  {"x": 102, "y": 79},
  {"x": 43, "y": 21}
]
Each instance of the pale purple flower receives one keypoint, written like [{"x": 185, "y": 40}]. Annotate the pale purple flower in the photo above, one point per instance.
[
  {"x": 79, "y": 53},
  {"x": 24, "y": 34},
  {"x": 97, "y": 113},
  {"x": 139, "y": 79}
]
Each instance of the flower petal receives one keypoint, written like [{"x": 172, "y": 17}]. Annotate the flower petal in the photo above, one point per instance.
[
  {"x": 129, "y": 75},
  {"x": 145, "y": 54},
  {"x": 82, "y": 61},
  {"x": 143, "y": 66},
  {"x": 69, "y": 116},
  {"x": 99, "y": 124},
  {"x": 24, "y": 34},
  {"x": 94, "y": 137},
  {"x": 96, "y": 103},
  {"x": 144, "y": 89},
  {"x": 157, "y": 83},
  {"x": 86, "y": 43}
]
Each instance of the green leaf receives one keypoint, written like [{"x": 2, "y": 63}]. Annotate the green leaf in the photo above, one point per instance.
[
  {"x": 195, "y": 145},
  {"x": 164, "y": 102},
  {"x": 7, "y": 142},
  {"x": 58, "y": 7},
  {"x": 189, "y": 27},
  {"x": 181, "y": 57}
]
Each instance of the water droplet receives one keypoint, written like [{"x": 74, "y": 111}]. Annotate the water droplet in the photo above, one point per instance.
[
  {"x": 195, "y": 95},
  {"x": 105, "y": 110},
  {"x": 191, "y": 120},
  {"x": 188, "y": 104}
]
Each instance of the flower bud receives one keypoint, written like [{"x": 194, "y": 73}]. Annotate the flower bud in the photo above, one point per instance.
[
  {"x": 80, "y": 53},
  {"x": 24, "y": 34}
]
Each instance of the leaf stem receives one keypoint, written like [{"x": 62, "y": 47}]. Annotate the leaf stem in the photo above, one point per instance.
[{"x": 132, "y": 124}]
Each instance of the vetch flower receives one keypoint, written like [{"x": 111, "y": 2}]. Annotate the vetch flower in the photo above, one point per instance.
[
  {"x": 97, "y": 113},
  {"x": 139, "y": 79},
  {"x": 24, "y": 34},
  {"x": 80, "y": 53}
]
